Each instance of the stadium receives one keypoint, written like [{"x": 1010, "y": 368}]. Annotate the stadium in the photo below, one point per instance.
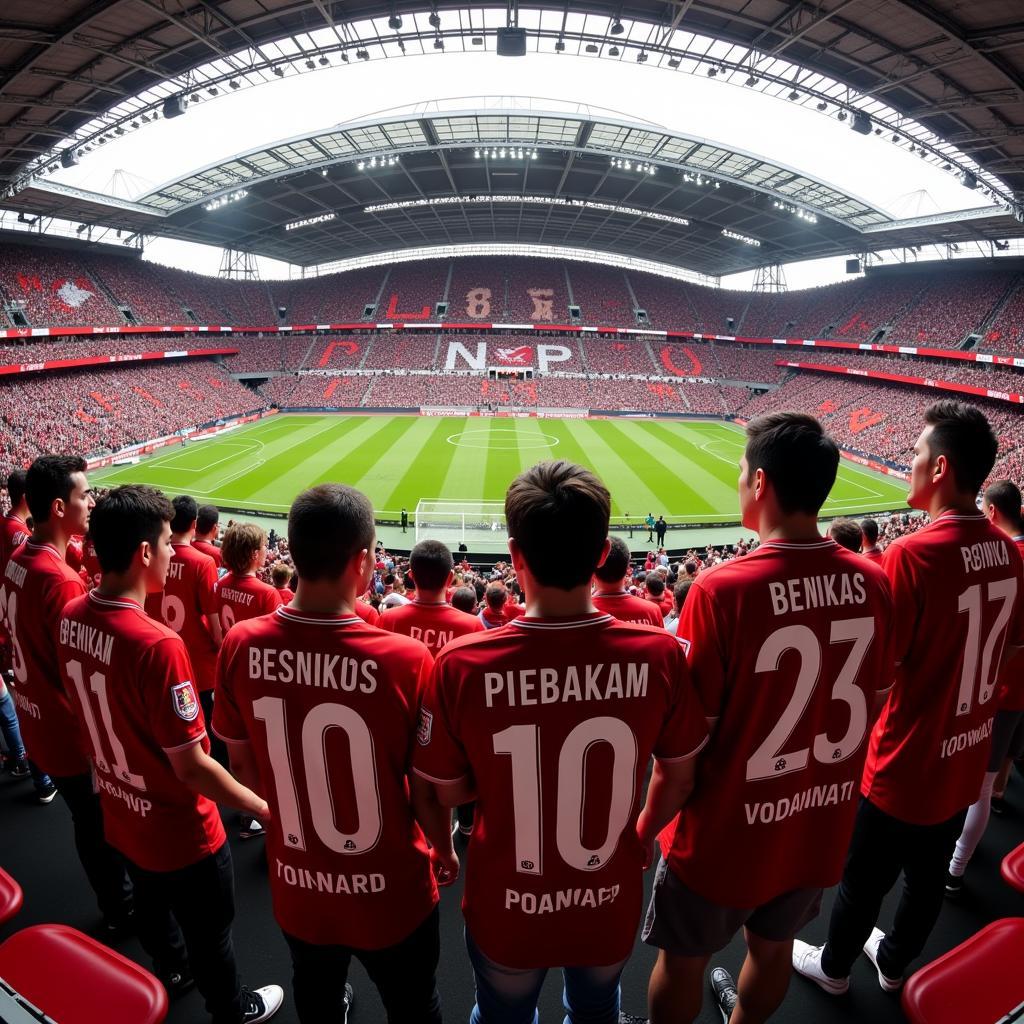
[{"x": 248, "y": 248}]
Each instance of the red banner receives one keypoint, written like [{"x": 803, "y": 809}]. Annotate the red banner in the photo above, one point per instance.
[{"x": 140, "y": 357}]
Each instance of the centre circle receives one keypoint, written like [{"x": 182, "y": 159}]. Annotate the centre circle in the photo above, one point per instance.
[{"x": 492, "y": 439}]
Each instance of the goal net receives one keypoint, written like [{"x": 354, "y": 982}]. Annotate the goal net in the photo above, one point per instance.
[{"x": 454, "y": 522}]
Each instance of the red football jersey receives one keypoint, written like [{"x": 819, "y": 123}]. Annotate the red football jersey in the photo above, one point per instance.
[
  {"x": 1011, "y": 675},
  {"x": 556, "y": 720},
  {"x": 188, "y": 599},
  {"x": 658, "y": 604},
  {"x": 206, "y": 548},
  {"x": 957, "y": 589},
  {"x": 330, "y": 707},
  {"x": 13, "y": 533},
  {"x": 627, "y": 608},
  {"x": 130, "y": 683},
  {"x": 244, "y": 597},
  {"x": 432, "y": 624},
  {"x": 872, "y": 554},
  {"x": 787, "y": 649},
  {"x": 367, "y": 613},
  {"x": 286, "y": 594},
  {"x": 36, "y": 586}
]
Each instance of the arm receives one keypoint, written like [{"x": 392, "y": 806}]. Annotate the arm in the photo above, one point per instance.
[
  {"x": 243, "y": 764},
  {"x": 201, "y": 773},
  {"x": 671, "y": 785},
  {"x": 436, "y": 821},
  {"x": 213, "y": 627}
]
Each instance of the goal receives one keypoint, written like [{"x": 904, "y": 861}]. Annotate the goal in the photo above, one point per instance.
[{"x": 455, "y": 522}]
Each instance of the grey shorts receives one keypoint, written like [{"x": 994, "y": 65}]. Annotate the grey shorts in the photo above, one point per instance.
[
  {"x": 683, "y": 923},
  {"x": 1007, "y": 738}
]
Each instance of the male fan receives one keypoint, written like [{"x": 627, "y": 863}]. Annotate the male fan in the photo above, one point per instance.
[
  {"x": 131, "y": 684},
  {"x": 319, "y": 711},
  {"x": 241, "y": 594},
  {"x": 205, "y": 539},
  {"x": 14, "y": 529},
  {"x": 956, "y": 588},
  {"x": 787, "y": 650},
  {"x": 550, "y": 723},
  {"x": 610, "y": 594}
]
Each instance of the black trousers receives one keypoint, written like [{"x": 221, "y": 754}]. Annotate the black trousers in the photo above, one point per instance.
[
  {"x": 184, "y": 920},
  {"x": 881, "y": 848},
  {"x": 405, "y": 976},
  {"x": 103, "y": 865}
]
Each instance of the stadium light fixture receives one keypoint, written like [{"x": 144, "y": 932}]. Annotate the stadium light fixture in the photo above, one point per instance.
[
  {"x": 617, "y": 28},
  {"x": 212, "y": 90},
  {"x": 712, "y": 72},
  {"x": 794, "y": 95},
  {"x": 745, "y": 239},
  {"x": 641, "y": 57},
  {"x": 323, "y": 61},
  {"x": 279, "y": 71},
  {"x": 434, "y": 19},
  {"x": 560, "y": 46},
  {"x": 592, "y": 48},
  {"x": 674, "y": 62},
  {"x": 823, "y": 105},
  {"x": 221, "y": 201},
  {"x": 751, "y": 80},
  {"x": 310, "y": 65},
  {"x": 235, "y": 84},
  {"x": 363, "y": 54},
  {"x": 394, "y": 22},
  {"x": 476, "y": 154},
  {"x": 613, "y": 52},
  {"x": 477, "y": 41},
  {"x": 438, "y": 43},
  {"x": 841, "y": 115}
]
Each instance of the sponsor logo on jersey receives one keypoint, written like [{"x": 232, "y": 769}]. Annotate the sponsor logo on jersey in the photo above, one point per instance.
[{"x": 186, "y": 703}]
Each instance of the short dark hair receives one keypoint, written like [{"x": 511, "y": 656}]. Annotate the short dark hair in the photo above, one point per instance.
[
  {"x": 682, "y": 588},
  {"x": 963, "y": 434},
  {"x": 16, "y": 486},
  {"x": 122, "y": 519},
  {"x": 430, "y": 561},
  {"x": 207, "y": 518},
  {"x": 616, "y": 565},
  {"x": 464, "y": 599},
  {"x": 327, "y": 526},
  {"x": 846, "y": 533},
  {"x": 690, "y": 568},
  {"x": 49, "y": 479},
  {"x": 558, "y": 515},
  {"x": 1004, "y": 496},
  {"x": 185, "y": 512},
  {"x": 495, "y": 595},
  {"x": 797, "y": 456},
  {"x": 870, "y": 530},
  {"x": 655, "y": 584}
]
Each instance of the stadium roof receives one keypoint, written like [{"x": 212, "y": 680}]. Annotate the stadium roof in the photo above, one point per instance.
[{"x": 944, "y": 66}]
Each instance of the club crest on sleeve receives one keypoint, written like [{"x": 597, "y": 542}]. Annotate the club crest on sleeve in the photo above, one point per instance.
[
  {"x": 186, "y": 703},
  {"x": 426, "y": 724}
]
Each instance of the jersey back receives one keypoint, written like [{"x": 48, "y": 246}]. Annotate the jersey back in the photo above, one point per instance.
[
  {"x": 432, "y": 624},
  {"x": 627, "y": 608},
  {"x": 244, "y": 597}
]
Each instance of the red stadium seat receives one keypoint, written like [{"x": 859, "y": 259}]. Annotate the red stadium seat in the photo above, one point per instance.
[
  {"x": 96, "y": 985},
  {"x": 978, "y": 982},
  {"x": 11, "y": 897},
  {"x": 1013, "y": 868}
]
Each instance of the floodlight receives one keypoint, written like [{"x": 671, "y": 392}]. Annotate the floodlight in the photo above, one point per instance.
[
  {"x": 395, "y": 22},
  {"x": 617, "y": 28}
]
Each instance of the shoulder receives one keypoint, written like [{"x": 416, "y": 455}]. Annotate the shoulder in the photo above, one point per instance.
[
  {"x": 396, "y": 645},
  {"x": 75, "y": 607},
  {"x": 469, "y": 645}
]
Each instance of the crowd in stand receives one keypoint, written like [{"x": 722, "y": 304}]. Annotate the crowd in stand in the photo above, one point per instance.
[
  {"x": 42, "y": 350},
  {"x": 333, "y": 298}
]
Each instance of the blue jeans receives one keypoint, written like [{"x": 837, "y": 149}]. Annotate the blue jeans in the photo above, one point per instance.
[
  {"x": 11, "y": 732},
  {"x": 508, "y": 995}
]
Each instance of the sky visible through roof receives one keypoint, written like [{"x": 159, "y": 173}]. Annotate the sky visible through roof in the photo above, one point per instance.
[{"x": 871, "y": 168}]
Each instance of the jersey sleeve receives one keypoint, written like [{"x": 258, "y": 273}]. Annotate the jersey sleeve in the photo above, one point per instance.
[
  {"x": 905, "y": 593},
  {"x": 59, "y": 597},
  {"x": 206, "y": 588},
  {"x": 171, "y": 697},
  {"x": 439, "y": 755},
  {"x": 887, "y": 637},
  {"x": 700, "y": 636},
  {"x": 271, "y": 601},
  {"x": 228, "y": 722},
  {"x": 685, "y": 730}
]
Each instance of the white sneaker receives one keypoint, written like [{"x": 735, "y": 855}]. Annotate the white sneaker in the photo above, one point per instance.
[
  {"x": 871, "y": 952},
  {"x": 262, "y": 1003},
  {"x": 807, "y": 961}
]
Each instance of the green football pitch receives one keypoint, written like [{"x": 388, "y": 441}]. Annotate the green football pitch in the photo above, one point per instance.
[{"x": 685, "y": 470}]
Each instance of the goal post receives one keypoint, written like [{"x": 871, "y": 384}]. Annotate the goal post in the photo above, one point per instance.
[{"x": 457, "y": 522}]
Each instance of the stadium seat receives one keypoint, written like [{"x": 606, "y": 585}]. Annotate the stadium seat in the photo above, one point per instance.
[
  {"x": 1013, "y": 868},
  {"x": 97, "y": 985},
  {"x": 11, "y": 897},
  {"x": 977, "y": 982}
]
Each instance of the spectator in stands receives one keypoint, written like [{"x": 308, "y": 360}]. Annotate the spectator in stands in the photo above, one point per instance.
[
  {"x": 207, "y": 532},
  {"x": 869, "y": 546},
  {"x": 610, "y": 594},
  {"x": 659, "y": 528},
  {"x": 464, "y": 598},
  {"x": 846, "y": 533},
  {"x": 492, "y": 615},
  {"x": 679, "y": 592},
  {"x": 281, "y": 578},
  {"x": 655, "y": 592}
]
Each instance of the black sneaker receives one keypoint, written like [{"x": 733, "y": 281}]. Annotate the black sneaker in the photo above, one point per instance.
[
  {"x": 954, "y": 886},
  {"x": 46, "y": 794},
  {"x": 114, "y": 929},
  {"x": 178, "y": 982},
  {"x": 350, "y": 998},
  {"x": 629, "y": 1018},
  {"x": 20, "y": 769},
  {"x": 723, "y": 988},
  {"x": 261, "y": 1003},
  {"x": 997, "y": 803}
]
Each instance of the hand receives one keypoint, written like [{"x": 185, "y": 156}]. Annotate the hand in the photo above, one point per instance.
[
  {"x": 445, "y": 864},
  {"x": 646, "y": 844},
  {"x": 263, "y": 814}
]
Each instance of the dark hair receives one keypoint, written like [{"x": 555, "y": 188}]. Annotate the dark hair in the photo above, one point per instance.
[
  {"x": 1004, "y": 496},
  {"x": 207, "y": 518},
  {"x": 616, "y": 565},
  {"x": 690, "y": 568},
  {"x": 963, "y": 434},
  {"x": 122, "y": 519},
  {"x": 682, "y": 588},
  {"x": 464, "y": 599},
  {"x": 327, "y": 526},
  {"x": 797, "y": 456},
  {"x": 655, "y": 585},
  {"x": 846, "y": 533},
  {"x": 870, "y": 530},
  {"x": 16, "y": 486},
  {"x": 496, "y": 595},
  {"x": 558, "y": 514},
  {"x": 48, "y": 480},
  {"x": 430, "y": 561},
  {"x": 185, "y": 512}
]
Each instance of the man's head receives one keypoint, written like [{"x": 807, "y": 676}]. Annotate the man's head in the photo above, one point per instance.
[
  {"x": 185, "y": 513},
  {"x": 614, "y": 568},
  {"x": 281, "y": 574},
  {"x": 130, "y": 529},
  {"x": 1002, "y": 504},
  {"x": 690, "y": 568},
  {"x": 557, "y": 515},
  {"x": 495, "y": 595},
  {"x": 655, "y": 585},
  {"x": 431, "y": 564},
  {"x": 464, "y": 599},
  {"x": 682, "y": 588},
  {"x": 207, "y": 518},
  {"x": 244, "y": 548},
  {"x": 869, "y": 530},
  {"x": 955, "y": 452},
  {"x": 331, "y": 533},
  {"x": 787, "y": 469},
  {"x": 846, "y": 533},
  {"x": 16, "y": 488},
  {"x": 58, "y": 494}
]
